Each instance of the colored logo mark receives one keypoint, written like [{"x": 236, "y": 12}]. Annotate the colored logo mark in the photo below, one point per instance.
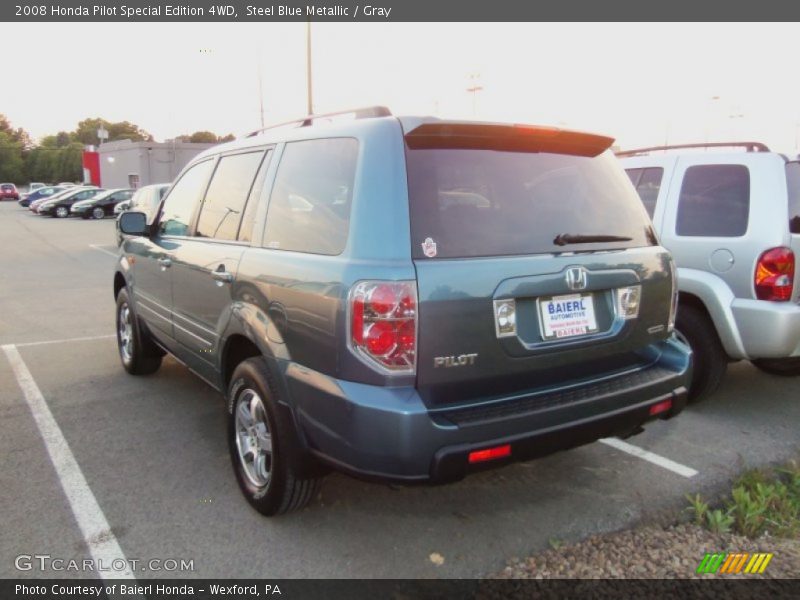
[{"x": 735, "y": 562}]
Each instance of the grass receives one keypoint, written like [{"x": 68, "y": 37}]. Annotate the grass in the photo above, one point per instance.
[{"x": 761, "y": 501}]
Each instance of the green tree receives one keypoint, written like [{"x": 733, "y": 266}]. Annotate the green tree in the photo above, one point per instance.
[
  {"x": 12, "y": 165},
  {"x": 205, "y": 137},
  {"x": 86, "y": 131}
]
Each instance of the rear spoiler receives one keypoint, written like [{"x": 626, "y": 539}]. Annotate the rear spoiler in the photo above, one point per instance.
[{"x": 510, "y": 138}]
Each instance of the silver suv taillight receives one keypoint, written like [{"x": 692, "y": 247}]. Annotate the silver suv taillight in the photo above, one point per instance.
[
  {"x": 383, "y": 324},
  {"x": 673, "y": 309}
]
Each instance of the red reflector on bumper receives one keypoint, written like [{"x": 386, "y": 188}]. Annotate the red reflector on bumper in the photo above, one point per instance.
[
  {"x": 490, "y": 454},
  {"x": 660, "y": 407}
]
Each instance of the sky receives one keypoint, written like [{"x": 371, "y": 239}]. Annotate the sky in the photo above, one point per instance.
[{"x": 643, "y": 84}]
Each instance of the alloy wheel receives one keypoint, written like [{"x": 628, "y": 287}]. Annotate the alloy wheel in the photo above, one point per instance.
[{"x": 253, "y": 438}]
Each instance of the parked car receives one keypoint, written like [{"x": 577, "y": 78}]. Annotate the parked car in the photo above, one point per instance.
[
  {"x": 102, "y": 204},
  {"x": 44, "y": 192},
  {"x": 8, "y": 191},
  {"x": 732, "y": 221},
  {"x": 146, "y": 200},
  {"x": 407, "y": 299},
  {"x": 59, "y": 207},
  {"x": 35, "y": 204},
  {"x": 122, "y": 207},
  {"x": 33, "y": 186}
]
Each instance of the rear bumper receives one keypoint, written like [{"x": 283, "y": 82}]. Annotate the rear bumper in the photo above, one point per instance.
[
  {"x": 390, "y": 434},
  {"x": 768, "y": 329}
]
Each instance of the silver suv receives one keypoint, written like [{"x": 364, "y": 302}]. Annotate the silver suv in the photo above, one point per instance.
[{"x": 730, "y": 215}]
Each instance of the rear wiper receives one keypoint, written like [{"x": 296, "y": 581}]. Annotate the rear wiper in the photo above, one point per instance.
[{"x": 562, "y": 239}]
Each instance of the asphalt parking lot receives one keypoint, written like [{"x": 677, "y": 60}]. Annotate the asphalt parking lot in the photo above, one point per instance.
[{"x": 151, "y": 454}]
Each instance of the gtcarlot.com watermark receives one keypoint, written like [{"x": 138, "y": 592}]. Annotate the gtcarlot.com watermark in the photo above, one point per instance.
[{"x": 47, "y": 562}]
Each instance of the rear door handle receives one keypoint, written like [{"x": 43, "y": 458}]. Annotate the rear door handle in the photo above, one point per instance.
[
  {"x": 165, "y": 262},
  {"x": 222, "y": 275}
]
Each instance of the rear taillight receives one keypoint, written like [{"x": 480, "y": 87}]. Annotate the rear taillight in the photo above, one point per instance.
[
  {"x": 383, "y": 323},
  {"x": 673, "y": 309},
  {"x": 774, "y": 278}
]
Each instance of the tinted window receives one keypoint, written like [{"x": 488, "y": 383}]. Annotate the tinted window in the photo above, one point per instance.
[
  {"x": 634, "y": 175},
  {"x": 309, "y": 210},
  {"x": 714, "y": 201},
  {"x": 475, "y": 202},
  {"x": 248, "y": 220},
  {"x": 647, "y": 186},
  {"x": 793, "y": 185},
  {"x": 226, "y": 196},
  {"x": 179, "y": 205}
]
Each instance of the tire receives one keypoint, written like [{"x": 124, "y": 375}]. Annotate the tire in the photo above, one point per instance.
[
  {"x": 98, "y": 213},
  {"x": 61, "y": 212},
  {"x": 137, "y": 351},
  {"x": 257, "y": 427},
  {"x": 710, "y": 358},
  {"x": 785, "y": 367}
]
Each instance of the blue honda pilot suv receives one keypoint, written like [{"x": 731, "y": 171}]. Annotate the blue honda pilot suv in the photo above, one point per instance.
[{"x": 405, "y": 299}]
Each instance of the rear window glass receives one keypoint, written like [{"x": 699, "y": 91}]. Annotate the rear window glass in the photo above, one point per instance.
[
  {"x": 793, "y": 185},
  {"x": 7, "y": 187},
  {"x": 474, "y": 202},
  {"x": 714, "y": 201},
  {"x": 309, "y": 209}
]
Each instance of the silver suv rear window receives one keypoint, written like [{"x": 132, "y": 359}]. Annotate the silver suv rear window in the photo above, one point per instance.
[
  {"x": 793, "y": 186},
  {"x": 474, "y": 202}
]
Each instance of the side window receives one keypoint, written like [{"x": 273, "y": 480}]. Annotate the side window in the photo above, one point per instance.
[
  {"x": 123, "y": 196},
  {"x": 179, "y": 206},
  {"x": 634, "y": 174},
  {"x": 793, "y": 186},
  {"x": 714, "y": 201},
  {"x": 309, "y": 209},
  {"x": 648, "y": 186},
  {"x": 222, "y": 208},
  {"x": 248, "y": 220}
]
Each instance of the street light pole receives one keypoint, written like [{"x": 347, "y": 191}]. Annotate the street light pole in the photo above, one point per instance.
[{"x": 310, "y": 104}]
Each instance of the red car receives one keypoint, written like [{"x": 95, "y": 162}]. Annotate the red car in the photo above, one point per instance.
[{"x": 8, "y": 191}]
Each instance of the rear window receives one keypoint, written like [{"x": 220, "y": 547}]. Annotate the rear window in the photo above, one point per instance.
[
  {"x": 714, "y": 201},
  {"x": 793, "y": 185},
  {"x": 483, "y": 202},
  {"x": 7, "y": 187}
]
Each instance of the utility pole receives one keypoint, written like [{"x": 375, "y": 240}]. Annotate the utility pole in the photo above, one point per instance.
[
  {"x": 310, "y": 104},
  {"x": 260, "y": 90},
  {"x": 474, "y": 88}
]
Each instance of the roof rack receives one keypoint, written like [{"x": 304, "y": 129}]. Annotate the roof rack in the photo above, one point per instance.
[
  {"x": 750, "y": 146},
  {"x": 367, "y": 112}
]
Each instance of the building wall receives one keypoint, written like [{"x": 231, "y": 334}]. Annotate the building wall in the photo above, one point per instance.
[{"x": 123, "y": 162}]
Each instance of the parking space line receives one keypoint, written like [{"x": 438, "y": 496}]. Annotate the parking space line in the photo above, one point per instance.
[
  {"x": 65, "y": 340},
  {"x": 651, "y": 457},
  {"x": 98, "y": 247},
  {"x": 97, "y": 534}
]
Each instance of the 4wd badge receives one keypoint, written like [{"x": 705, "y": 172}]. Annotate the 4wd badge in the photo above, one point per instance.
[{"x": 429, "y": 248}]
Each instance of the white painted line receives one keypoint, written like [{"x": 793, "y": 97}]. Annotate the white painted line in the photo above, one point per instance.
[
  {"x": 98, "y": 247},
  {"x": 656, "y": 459},
  {"x": 97, "y": 534},
  {"x": 64, "y": 341}
]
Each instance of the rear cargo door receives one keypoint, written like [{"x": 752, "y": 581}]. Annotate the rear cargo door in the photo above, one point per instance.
[{"x": 536, "y": 262}]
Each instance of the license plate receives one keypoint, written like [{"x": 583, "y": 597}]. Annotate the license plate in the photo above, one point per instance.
[{"x": 567, "y": 316}]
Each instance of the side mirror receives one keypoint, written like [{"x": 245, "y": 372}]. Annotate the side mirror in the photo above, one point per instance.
[{"x": 133, "y": 223}]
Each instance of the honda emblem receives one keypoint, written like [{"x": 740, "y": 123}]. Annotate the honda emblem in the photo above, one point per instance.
[{"x": 576, "y": 278}]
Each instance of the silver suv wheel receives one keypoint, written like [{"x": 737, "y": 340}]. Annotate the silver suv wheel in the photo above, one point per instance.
[{"x": 253, "y": 438}]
